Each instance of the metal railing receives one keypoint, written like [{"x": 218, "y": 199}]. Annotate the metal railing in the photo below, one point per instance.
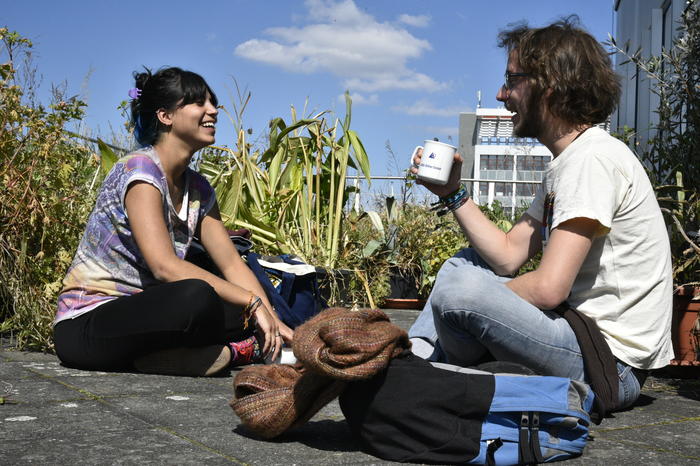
[{"x": 491, "y": 182}]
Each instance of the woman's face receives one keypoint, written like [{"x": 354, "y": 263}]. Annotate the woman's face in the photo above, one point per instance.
[{"x": 195, "y": 123}]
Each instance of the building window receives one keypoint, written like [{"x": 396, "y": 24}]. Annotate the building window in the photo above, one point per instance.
[
  {"x": 532, "y": 163},
  {"x": 527, "y": 190},
  {"x": 496, "y": 162},
  {"x": 667, "y": 26},
  {"x": 503, "y": 189}
]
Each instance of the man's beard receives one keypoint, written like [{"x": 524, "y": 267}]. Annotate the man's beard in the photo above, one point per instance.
[{"x": 530, "y": 119}]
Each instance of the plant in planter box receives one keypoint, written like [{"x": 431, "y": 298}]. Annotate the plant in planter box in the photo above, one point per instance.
[
  {"x": 672, "y": 156},
  {"x": 363, "y": 253},
  {"x": 396, "y": 245},
  {"x": 290, "y": 194},
  {"x": 402, "y": 279}
]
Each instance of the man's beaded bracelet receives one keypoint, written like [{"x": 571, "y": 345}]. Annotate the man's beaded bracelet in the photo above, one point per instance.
[{"x": 452, "y": 201}]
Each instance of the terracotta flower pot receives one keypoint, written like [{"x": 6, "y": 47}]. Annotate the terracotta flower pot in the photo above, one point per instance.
[
  {"x": 686, "y": 342},
  {"x": 407, "y": 303}
]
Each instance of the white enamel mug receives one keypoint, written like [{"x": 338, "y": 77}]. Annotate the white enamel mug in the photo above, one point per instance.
[{"x": 436, "y": 162}]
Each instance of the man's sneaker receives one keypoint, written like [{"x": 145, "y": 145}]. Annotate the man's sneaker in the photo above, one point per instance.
[
  {"x": 246, "y": 351},
  {"x": 200, "y": 361}
]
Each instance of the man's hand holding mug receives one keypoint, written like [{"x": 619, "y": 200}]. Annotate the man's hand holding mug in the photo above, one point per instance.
[{"x": 441, "y": 170}]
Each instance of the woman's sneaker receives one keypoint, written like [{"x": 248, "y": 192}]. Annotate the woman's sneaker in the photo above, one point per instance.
[{"x": 246, "y": 351}]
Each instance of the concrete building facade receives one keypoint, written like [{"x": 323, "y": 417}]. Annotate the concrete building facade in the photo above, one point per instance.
[
  {"x": 503, "y": 167},
  {"x": 648, "y": 26}
]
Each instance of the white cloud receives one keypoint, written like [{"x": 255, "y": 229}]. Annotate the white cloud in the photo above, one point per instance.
[
  {"x": 367, "y": 55},
  {"x": 426, "y": 108},
  {"x": 451, "y": 131},
  {"x": 419, "y": 21},
  {"x": 361, "y": 99}
]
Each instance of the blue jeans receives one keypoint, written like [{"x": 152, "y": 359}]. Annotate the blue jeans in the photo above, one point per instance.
[{"x": 471, "y": 313}]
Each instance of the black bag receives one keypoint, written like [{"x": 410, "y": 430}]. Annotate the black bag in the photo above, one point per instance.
[{"x": 423, "y": 413}]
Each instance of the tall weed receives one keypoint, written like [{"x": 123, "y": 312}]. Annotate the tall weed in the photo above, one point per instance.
[{"x": 45, "y": 199}]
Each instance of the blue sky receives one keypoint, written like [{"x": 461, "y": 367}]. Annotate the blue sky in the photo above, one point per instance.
[{"x": 411, "y": 65}]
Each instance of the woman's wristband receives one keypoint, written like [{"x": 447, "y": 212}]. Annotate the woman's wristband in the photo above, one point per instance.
[{"x": 250, "y": 308}]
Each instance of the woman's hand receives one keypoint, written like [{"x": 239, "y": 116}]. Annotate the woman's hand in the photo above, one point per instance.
[
  {"x": 286, "y": 332},
  {"x": 452, "y": 183},
  {"x": 269, "y": 330}
]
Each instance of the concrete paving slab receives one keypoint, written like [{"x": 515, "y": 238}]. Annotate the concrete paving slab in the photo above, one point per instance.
[
  {"x": 20, "y": 385},
  {"x": 127, "y": 384},
  {"x": 56, "y": 415},
  {"x": 97, "y": 448},
  {"x": 32, "y": 421}
]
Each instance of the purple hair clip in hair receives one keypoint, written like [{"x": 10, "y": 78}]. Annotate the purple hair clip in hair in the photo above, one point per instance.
[{"x": 135, "y": 93}]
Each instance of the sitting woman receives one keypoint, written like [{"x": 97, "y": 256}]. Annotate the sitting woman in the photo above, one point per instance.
[{"x": 130, "y": 300}]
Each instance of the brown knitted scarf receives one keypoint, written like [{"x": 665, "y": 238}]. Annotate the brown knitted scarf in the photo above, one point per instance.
[{"x": 336, "y": 346}]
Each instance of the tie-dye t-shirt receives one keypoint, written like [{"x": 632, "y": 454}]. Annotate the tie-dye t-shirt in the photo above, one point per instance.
[{"x": 108, "y": 263}]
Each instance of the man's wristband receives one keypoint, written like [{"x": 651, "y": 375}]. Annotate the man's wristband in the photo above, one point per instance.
[{"x": 452, "y": 201}]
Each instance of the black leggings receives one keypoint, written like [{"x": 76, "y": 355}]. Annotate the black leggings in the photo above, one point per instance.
[{"x": 183, "y": 313}]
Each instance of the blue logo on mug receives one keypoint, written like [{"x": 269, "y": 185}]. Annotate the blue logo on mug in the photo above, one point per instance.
[{"x": 432, "y": 155}]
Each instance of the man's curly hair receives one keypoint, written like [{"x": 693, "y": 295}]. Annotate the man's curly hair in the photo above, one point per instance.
[{"x": 567, "y": 61}]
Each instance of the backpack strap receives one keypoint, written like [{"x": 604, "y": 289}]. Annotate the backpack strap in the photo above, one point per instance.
[
  {"x": 524, "y": 451},
  {"x": 535, "y": 437},
  {"x": 598, "y": 361},
  {"x": 492, "y": 447},
  {"x": 277, "y": 301},
  {"x": 529, "y": 449}
]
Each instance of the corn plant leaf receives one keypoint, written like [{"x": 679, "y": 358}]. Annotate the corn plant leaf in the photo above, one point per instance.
[
  {"x": 392, "y": 210},
  {"x": 376, "y": 221},
  {"x": 278, "y": 131},
  {"x": 107, "y": 157},
  {"x": 274, "y": 168},
  {"x": 371, "y": 247},
  {"x": 360, "y": 154},
  {"x": 348, "y": 111},
  {"x": 228, "y": 193}
]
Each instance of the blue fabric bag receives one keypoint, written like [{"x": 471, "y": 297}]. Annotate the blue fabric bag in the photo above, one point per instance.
[
  {"x": 296, "y": 298},
  {"x": 420, "y": 412}
]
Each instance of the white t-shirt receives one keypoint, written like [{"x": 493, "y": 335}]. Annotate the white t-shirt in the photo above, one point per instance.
[{"x": 625, "y": 282}]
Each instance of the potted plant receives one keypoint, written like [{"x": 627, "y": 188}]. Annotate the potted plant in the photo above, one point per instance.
[
  {"x": 682, "y": 211},
  {"x": 384, "y": 249}
]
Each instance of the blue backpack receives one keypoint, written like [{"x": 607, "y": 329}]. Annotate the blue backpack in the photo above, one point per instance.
[
  {"x": 296, "y": 297},
  {"x": 420, "y": 412}
]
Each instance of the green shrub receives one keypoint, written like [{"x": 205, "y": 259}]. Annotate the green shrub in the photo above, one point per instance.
[
  {"x": 45, "y": 199},
  {"x": 411, "y": 238}
]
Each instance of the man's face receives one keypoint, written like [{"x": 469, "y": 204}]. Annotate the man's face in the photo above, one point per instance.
[{"x": 518, "y": 98}]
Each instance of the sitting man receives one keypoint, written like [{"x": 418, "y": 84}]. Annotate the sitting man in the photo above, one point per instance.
[{"x": 605, "y": 246}]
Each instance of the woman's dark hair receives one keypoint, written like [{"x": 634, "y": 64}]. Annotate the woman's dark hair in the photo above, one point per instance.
[
  {"x": 568, "y": 62},
  {"x": 168, "y": 88}
]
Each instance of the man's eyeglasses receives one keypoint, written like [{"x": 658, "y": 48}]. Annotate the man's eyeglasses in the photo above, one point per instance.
[{"x": 509, "y": 81}]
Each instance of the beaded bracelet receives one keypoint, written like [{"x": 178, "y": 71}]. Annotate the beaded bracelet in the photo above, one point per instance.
[
  {"x": 452, "y": 201},
  {"x": 457, "y": 193},
  {"x": 250, "y": 308}
]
